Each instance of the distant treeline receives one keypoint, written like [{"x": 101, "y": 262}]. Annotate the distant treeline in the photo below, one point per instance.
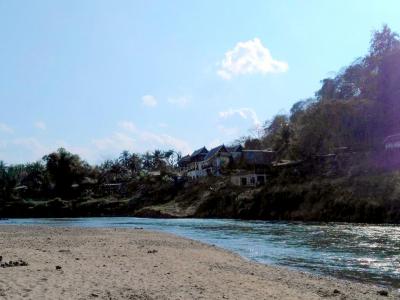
[{"x": 65, "y": 175}]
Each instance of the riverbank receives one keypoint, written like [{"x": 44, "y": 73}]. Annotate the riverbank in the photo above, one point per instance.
[
  {"x": 359, "y": 199},
  {"x": 77, "y": 263}
]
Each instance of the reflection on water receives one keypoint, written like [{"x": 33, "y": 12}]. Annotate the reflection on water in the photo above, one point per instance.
[{"x": 360, "y": 252}]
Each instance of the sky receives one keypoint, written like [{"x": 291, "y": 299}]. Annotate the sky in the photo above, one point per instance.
[{"x": 99, "y": 77}]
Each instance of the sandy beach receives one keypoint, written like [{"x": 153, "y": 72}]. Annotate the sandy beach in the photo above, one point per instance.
[{"x": 78, "y": 263}]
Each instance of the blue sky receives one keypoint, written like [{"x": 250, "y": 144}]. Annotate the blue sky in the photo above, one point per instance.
[{"x": 98, "y": 76}]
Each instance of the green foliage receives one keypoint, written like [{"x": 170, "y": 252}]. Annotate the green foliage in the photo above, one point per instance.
[
  {"x": 65, "y": 169},
  {"x": 356, "y": 109}
]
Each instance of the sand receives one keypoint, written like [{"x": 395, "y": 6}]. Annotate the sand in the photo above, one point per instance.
[{"x": 137, "y": 264}]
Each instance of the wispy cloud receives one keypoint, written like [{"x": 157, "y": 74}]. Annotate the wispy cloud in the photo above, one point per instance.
[
  {"x": 126, "y": 125},
  {"x": 40, "y": 125},
  {"x": 5, "y": 128},
  {"x": 130, "y": 137},
  {"x": 116, "y": 143},
  {"x": 249, "y": 57},
  {"x": 228, "y": 131},
  {"x": 181, "y": 101},
  {"x": 33, "y": 146},
  {"x": 32, "y": 149},
  {"x": 149, "y": 100},
  {"x": 245, "y": 113}
]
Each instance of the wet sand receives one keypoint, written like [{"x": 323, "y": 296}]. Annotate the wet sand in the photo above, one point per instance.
[{"x": 79, "y": 263}]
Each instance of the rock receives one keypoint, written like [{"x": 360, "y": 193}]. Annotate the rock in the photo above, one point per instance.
[
  {"x": 64, "y": 251},
  {"x": 383, "y": 293},
  {"x": 22, "y": 263},
  {"x": 58, "y": 267},
  {"x": 1, "y": 258},
  {"x": 335, "y": 291},
  {"x": 94, "y": 295},
  {"x": 152, "y": 251}
]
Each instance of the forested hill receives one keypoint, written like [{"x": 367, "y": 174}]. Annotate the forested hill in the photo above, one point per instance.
[
  {"x": 356, "y": 109},
  {"x": 352, "y": 112}
]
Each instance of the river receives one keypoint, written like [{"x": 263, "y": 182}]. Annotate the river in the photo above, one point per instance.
[{"x": 366, "y": 253}]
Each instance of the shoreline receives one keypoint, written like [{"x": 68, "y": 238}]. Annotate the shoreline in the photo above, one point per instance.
[{"x": 110, "y": 263}]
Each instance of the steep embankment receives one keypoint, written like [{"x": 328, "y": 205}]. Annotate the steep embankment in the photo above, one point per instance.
[
  {"x": 373, "y": 199},
  {"x": 366, "y": 198}
]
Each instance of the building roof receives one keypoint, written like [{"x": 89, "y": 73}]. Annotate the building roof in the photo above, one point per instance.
[
  {"x": 258, "y": 157},
  {"x": 215, "y": 151},
  {"x": 200, "y": 151},
  {"x": 236, "y": 148},
  {"x": 392, "y": 138},
  {"x": 184, "y": 160}
]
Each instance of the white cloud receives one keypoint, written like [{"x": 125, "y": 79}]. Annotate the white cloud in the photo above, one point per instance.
[
  {"x": 127, "y": 136},
  {"x": 40, "y": 125},
  {"x": 130, "y": 137},
  {"x": 181, "y": 101},
  {"x": 116, "y": 143},
  {"x": 245, "y": 113},
  {"x": 249, "y": 57},
  {"x": 229, "y": 131},
  {"x": 126, "y": 125},
  {"x": 31, "y": 149},
  {"x": 165, "y": 141},
  {"x": 5, "y": 128},
  {"x": 35, "y": 148},
  {"x": 149, "y": 100}
]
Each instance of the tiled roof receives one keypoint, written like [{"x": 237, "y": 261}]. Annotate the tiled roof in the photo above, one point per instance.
[
  {"x": 392, "y": 138},
  {"x": 199, "y": 151},
  {"x": 185, "y": 159},
  {"x": 237, "y": 148},
  {"x": 214, "y": 151},
  {"x": 258, "y": 157}
]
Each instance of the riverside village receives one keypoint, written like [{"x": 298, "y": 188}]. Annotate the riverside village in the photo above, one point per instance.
[
  {"x": 251, "y": 167},
  {"x": 245, "y": 167}
]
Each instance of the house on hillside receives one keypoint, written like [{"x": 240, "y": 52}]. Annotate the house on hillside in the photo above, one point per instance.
[
  {"x": 190, "y": 166},
  {"x": 216, "y": 159},
  {"x": 392, "y": 142},
  {"x": 258, "y": 158},
  {"x": 183, "y": 164},
  {"x": 213, "y": 163},
  {"x": 236, "y": 153},
  {"x": 248, "y": 179}
]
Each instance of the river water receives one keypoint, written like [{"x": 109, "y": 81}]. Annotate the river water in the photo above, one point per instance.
[{"x": 366, "y": 253}]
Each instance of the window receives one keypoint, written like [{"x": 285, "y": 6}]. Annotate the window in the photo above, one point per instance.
[
  {"x": 243, "y": 181},
  {"x": 261, "y": 180}
]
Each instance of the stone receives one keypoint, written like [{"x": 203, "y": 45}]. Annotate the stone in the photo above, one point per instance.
[{"x": 383, "y": 293}]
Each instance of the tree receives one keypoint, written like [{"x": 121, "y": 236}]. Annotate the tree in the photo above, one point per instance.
[
  {"x": 65, "y": 169},
  {"x": 277, "y": 134}
]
